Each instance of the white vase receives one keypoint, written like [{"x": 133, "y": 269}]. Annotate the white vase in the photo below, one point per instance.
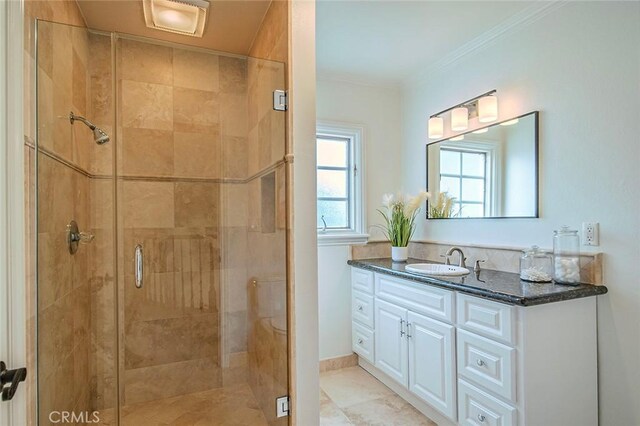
[{"x": 399, "y": 254}]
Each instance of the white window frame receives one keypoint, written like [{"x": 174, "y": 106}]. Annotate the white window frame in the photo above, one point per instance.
[
  {"x": 493, "y": 175},
  {"x": 357, "y": 216}
]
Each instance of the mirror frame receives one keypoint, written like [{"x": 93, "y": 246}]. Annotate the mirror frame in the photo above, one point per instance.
[{"x": 536, "y": 135}]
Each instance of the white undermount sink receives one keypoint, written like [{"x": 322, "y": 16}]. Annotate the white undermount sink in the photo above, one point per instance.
[{"x": 436, "y": 269}]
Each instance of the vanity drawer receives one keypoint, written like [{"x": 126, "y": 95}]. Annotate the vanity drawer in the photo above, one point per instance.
[
  {"x": 362, "y": 341},
  {"x": 362, "y": 280},
  {"x": 488, "y": 363},
  {"x": 492, "y": 319},
  {"x": 478, "y": 408},
  {"x": 420, "y": 298},
  {"x": 362, "y": 308}
]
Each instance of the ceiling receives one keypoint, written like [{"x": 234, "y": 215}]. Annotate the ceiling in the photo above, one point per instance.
[
  {"x": 386, "y": 42},
  {"x": 231, "y": 24}
]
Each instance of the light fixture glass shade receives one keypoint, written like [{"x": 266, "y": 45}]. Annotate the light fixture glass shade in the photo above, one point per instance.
[
  {"x": 459, "y": 119},
  {"x": 458, "y": 138},
  {"x": 436, "y": 127},
  {"x": 478, "y": 132},
  {"x": 488, "y": 109},
  {"x": 187, "y": 17}
]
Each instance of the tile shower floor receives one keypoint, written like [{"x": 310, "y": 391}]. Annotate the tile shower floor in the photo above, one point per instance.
[
  {"x": 229, "y": 406},
  {"x": 351, "y": 396}
]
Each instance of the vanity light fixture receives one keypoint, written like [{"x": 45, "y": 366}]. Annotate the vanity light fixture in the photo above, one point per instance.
[
  {"x": 481, "y": 131},
  {"x": 488, "y": 109},
  {"x": 484, "y": 107},
  {"x": 459, "y": 119},
  {"x": 186, "y": 17},
  {"x": 436, "y": 127}
]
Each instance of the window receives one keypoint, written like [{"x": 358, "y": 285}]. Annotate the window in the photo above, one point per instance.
[
  {"x": 339, "y": 189},
  {"x": 463, "y": 175}
]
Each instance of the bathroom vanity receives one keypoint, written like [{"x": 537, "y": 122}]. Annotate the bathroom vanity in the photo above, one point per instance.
[{"x": 483, "y": 349}]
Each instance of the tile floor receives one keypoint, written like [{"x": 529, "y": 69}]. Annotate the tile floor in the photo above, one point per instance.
[{"x": 351, "y": 396}]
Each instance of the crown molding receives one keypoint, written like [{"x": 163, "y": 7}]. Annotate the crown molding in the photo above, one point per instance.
[{"x": 527, "y": 16}]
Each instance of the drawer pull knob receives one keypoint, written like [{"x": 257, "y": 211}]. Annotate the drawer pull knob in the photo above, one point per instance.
[
  {"x": 480, "y": 362},
  {"x": 481, "y": 418},
  {"x": 360, "y": 308},
  {"x": 359, "y": 341}
]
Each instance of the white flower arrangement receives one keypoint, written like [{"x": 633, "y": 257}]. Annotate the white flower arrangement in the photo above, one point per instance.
[{"x": 399, "y": 213}]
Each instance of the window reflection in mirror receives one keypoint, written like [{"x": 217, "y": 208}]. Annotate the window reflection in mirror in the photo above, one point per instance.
[{"x": 487, "y": 174}]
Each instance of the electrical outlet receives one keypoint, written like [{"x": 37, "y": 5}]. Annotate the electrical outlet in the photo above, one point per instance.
[{"x": 590, "y": 233}]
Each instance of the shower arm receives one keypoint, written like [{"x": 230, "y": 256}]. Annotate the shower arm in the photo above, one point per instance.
[{"x": 73, "y": 117}]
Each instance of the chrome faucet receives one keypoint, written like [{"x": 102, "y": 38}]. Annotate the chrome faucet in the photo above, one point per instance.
[{"x": 460, "y": 253}]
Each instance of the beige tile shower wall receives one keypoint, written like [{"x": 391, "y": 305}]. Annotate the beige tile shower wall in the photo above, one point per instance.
[
  {"x": 64, "y": 290},
  {"x": 183, "y": 158},
  {"x": 181, "y": 113},
  {"x": 496, "y": 258},
  {"x": 104, "y": 391}
]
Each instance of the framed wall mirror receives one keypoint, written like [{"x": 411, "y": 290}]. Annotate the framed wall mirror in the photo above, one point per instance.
[{"x": 491, "y": 172}]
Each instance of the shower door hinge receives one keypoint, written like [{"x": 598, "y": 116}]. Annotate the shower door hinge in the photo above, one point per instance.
[
  {"x": 282, "y": 406},
  {"x": 280, "y": 102}
]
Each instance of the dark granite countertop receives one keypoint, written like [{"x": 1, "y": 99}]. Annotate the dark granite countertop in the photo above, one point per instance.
[{"x": 496, "y": 285}]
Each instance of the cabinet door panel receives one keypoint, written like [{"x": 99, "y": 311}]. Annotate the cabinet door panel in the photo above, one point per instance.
[
  {"x": 432, "y": 375},
  {"x": 390, "y": 341}
]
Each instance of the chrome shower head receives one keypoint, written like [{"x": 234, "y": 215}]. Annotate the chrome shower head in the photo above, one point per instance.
[{"x": 99, "y": 135}]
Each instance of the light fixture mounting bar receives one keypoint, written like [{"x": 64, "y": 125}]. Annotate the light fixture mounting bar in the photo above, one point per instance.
[{"x": 466, "y": 103}]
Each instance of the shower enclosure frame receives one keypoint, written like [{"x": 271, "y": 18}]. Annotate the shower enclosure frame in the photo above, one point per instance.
[{"x": 116, "y": 174}]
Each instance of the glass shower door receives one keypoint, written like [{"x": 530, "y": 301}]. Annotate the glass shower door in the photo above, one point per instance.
[{"x": 201, "y": 237}]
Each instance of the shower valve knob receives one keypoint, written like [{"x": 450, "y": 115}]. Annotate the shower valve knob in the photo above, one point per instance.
[{"x": 75, "y": 237}]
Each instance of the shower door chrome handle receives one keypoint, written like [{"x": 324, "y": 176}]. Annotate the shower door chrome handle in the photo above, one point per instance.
[{"x": 139, "y": 256}]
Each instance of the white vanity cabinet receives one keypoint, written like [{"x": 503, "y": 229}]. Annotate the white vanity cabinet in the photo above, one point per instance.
[
  {"x": 468, "y": 360},
  {"x": 414, "y": 344},
  {"x": 362, "y": 314}
]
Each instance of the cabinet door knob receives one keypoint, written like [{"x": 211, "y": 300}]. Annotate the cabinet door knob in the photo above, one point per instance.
[
  {"x": 359, "y": 341},
  {"x": 360, "y": 308},
  {"x": 481, "y": 418},
  {"x": 480, "y": 362}
]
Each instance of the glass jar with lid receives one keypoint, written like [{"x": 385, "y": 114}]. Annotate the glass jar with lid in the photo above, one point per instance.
[
  {"x": 536, "y": 265},
  {"x": 566, "y": 256}
]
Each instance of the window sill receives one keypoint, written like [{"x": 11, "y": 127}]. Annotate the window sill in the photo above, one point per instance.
[{"x": 334, "y": 239}]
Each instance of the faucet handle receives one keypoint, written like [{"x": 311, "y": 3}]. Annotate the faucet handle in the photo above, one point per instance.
[{"x": 476, "y": 268}]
